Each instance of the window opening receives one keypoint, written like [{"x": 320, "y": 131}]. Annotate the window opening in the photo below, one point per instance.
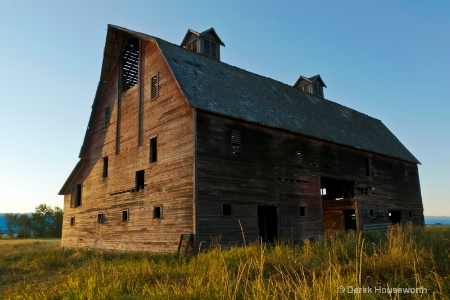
[
  {"x": 226, "y": 209},
  {"x": 75, "y": 199},
  {"x": 153, "y": 150},
  {"x": 125, "y": 215},
  {"x": 157, "y": 212},
  {"x": 303, "y": 211},
  {"x": 336, "y": 189},
  {"x": 130, "y": 68},
  {"x": 236, "y": 148},
  {"x": 362, "y": 190},
  {"x": 105, "y": 167},
  {"x": 154, "y": 87},
  {"x": 100, "y": 218},
  {"x": 372, "y": 213},
  {"x": 140, "y": 180},
  {"x": 368, "y": 166},
  {"x": 72, "y": 221},
  {"x": 107, "y": 116}
]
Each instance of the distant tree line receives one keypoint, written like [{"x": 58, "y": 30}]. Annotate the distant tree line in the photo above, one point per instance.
[{"x": 44, "y": 222}]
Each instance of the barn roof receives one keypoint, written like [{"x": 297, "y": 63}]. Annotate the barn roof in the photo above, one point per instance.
[{"x": 216, "y": 87}]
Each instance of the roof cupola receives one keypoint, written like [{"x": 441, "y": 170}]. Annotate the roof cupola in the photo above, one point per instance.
[
  {"x": 207, "y": 43},
  {"x": 313, "y": 85}
]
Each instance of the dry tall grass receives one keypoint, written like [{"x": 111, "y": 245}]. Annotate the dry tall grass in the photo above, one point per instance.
[{"x": 371, "y": 263}]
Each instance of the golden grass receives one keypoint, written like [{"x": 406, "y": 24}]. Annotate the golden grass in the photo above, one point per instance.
[{"x": 318, "y": 269}]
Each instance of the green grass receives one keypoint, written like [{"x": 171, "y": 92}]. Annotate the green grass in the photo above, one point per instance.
[{"x": 411, "y": 258}]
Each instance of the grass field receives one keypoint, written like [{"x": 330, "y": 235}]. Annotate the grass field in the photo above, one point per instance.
[{"x": 398, "y": 264}]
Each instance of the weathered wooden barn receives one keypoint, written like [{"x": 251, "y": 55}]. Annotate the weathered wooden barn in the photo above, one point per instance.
[{"x": 179, "y": 142}]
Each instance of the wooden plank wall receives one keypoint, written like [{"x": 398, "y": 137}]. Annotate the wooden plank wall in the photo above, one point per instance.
[
  {"x": 168, "y": 182},
  {"x": 266, "y": 174}
]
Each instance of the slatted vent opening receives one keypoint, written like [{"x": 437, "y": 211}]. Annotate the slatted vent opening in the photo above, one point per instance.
[
  {"x": 193, "y": 46},
  {"x": 298, "y": 157},
  {"x": 107, "y": 116},
  {"x": 236, "y": 148},
  {"x": 209, "y": 48},
  {"x": 154, "y": 87},
  {"x": 130, "y": 68}
]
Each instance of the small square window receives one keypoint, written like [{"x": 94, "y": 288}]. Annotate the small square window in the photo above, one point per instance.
[
  {"x": 303, "y": 211},
  {"x": 323, "y": 191},
  {"x": 125, "y": 215},
  {"x": 72, "y": 221},
  {"x": 226, "y": 209},
  {"x": 157, "y": 212},
  {"x": 100, "y": 218}
]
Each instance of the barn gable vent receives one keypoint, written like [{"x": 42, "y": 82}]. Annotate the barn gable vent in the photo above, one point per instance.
[
  {"x": 207, "y": 42},
  {"x": 130, "y": 64},
  {"x": 236, "y": 148}
]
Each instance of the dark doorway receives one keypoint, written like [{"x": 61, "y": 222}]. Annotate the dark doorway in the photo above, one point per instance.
[
  {"x": 349, "y": 219},
  {"x": 395, "y": 216},
  {"x": 268, "y": 223}
]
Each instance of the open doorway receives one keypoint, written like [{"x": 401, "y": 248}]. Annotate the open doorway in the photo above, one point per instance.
[
  {"x": 395, "y": 217},
  {"x": 349, "y": 219},
  {"x": 338, "y": 205},
  {"x": 268, "y": 223}
]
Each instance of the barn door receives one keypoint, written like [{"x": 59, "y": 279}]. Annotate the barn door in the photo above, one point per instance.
[{"x": 268, "y": 223}]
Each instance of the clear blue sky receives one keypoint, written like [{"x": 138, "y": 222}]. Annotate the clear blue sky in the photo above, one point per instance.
[{"x": 387, "y": 59}]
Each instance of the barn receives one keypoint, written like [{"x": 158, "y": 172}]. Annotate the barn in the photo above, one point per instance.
[{"x": 181, "y": 146}]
